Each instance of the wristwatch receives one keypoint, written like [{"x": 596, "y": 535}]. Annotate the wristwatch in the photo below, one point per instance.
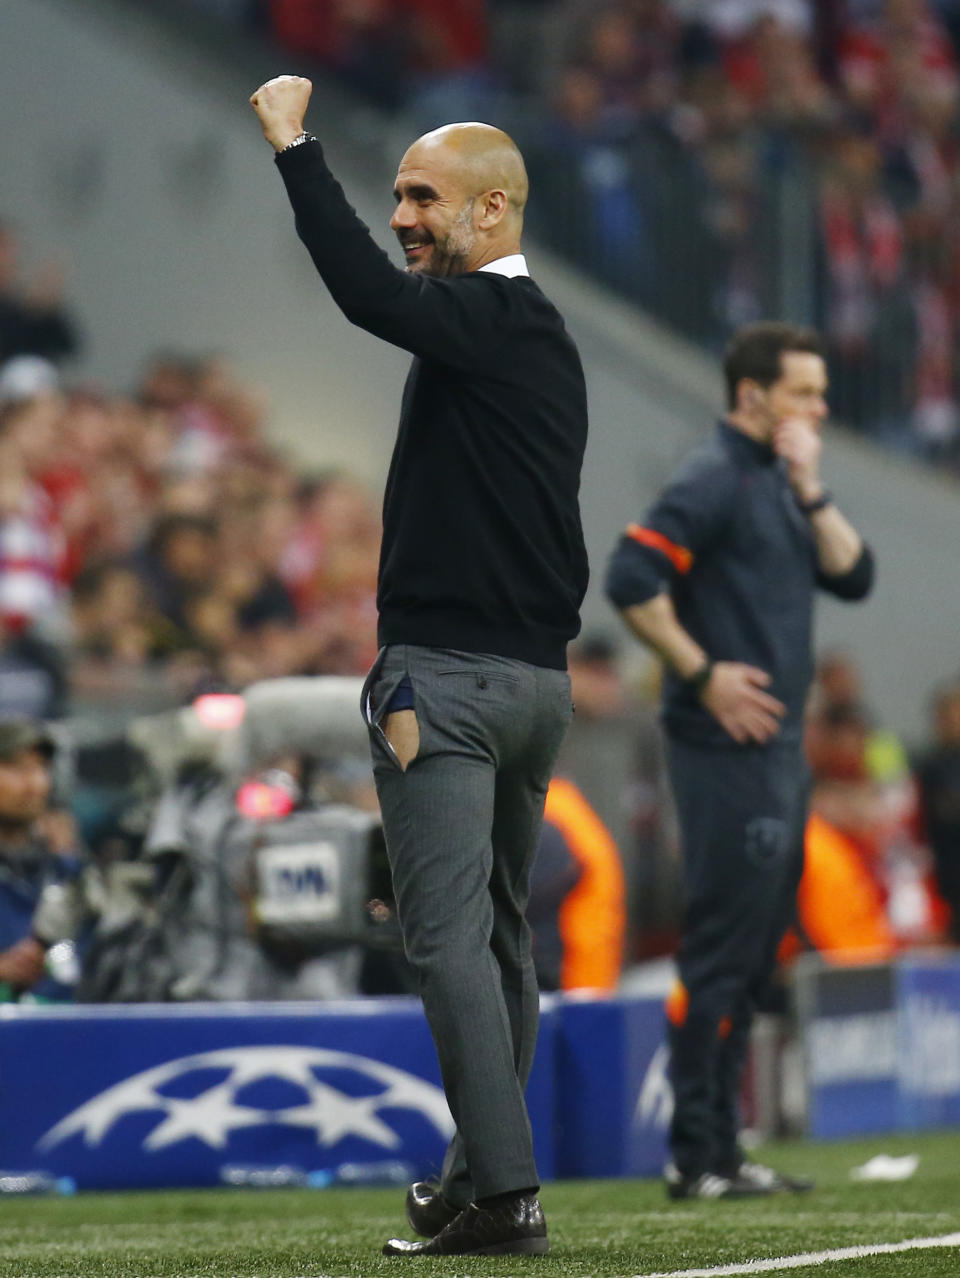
[
  {"x": 700, "y": 678},
  {"x": 297, "y": 141},
  {"x": 819, "y": 503}
]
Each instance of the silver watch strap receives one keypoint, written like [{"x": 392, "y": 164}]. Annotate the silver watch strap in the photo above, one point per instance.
[{"x": 297, "y": 141}]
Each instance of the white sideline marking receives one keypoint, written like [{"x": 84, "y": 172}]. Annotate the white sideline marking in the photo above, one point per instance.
[{"x": 811, "y": 1258}]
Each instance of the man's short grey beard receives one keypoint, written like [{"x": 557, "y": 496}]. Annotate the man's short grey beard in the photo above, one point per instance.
[{"x": 453, "y": 254}]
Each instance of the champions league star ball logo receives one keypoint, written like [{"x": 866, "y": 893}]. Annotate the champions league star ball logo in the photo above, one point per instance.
[
  {"x": 213, "y": 1113},
  {"x": 655, "y": 1101}
]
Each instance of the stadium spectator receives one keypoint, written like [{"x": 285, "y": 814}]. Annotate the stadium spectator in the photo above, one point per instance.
[
  {"x": 33, "y": 320},
  {"x": 633, "y": 51},
  {"x": 329, "y": 564},
  {"x": 868, "y": 316},
  {"x": 179, "y": 564},
  {"x": 730, "y": 109},
  {"x": 357, "y": 39},
  {"x": 520, "y": 32},
  {"x": 37, "y": 918},
  {"x": 112, "y": 622},
  {"x": 884, "y": 61},
  {"x": 838, "y": 687},
  {"x": 93, "y": 481},
  {"x": 577, "y": 896},
  {"x": 773, "y": 69},
  {"x": 583, "y": 147},
  {"x": 938, "y": 775},
  {"x": 841, "y": 908},
  {"x": 34, "y": 676},
  {"x": 872, "y": 807},
  {"x": 32, "y": 544},
  {"x": 732, "y": 19},
  {"x": 448, "y": 39},
  {"x": 392, "y": 51},
  {"x": 241, "y": 568}
]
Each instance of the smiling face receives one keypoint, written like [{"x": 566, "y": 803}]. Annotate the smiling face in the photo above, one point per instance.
[
  {"x": 433, "y": 219},
  {"x": 460, "y": 193}
]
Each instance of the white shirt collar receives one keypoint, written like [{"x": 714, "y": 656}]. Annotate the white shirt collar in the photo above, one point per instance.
[{"x": 515, "y": 264}]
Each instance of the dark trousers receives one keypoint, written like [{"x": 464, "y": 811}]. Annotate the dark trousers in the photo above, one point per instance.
[
  {"x": 461, "y": 826},
  {"x": 742, "y": 814}
]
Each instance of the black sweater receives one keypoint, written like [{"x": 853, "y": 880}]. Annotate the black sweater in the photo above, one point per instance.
[
  {"x": 482, "y": 545},
  {"x": 728, "y": 541}
]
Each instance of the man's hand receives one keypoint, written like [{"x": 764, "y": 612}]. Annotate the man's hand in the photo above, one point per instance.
[
  {"x": 734, "y": 695},
  {"x": 22, "y": 964},
  {"x": 281, "y": 104},
  {"x": 800, "y": 445}
]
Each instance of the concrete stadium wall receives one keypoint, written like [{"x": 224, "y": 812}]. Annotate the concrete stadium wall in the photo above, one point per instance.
[
  {"x": 144, "y": 161},
  {"x": 148, "y": 167}
]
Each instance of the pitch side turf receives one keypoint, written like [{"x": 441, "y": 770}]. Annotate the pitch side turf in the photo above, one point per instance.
[{"x": 598, "y": 1229}]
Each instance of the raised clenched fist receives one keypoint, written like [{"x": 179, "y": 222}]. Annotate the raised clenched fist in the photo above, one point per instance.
[{"x": 281, "y": 104}]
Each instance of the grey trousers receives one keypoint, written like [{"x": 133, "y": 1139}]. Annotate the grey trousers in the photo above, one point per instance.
[{"x": 461, "y": 826}]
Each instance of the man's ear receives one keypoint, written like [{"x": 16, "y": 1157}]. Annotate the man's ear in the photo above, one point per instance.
[
  {"x": 749, "y": 395},
  {"x": 493, "y": 206}
]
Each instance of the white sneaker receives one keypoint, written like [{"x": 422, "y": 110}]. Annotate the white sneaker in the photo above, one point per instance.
[
  {"x": 706, "y": 1185},
  {"x": 755, "y": 1178}
]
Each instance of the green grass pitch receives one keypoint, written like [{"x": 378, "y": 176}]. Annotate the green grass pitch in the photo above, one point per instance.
[{"x": 598, "y": 1229}]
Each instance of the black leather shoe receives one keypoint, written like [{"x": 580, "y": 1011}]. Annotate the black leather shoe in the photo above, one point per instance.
[
  {"x": 510, "y": 1229},
  {"x": 427, "y": 1210}
]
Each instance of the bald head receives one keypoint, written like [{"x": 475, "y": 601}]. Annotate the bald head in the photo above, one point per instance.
[
  {"x": 482, "y": 157},
  {"x": 461, "y": 192}
]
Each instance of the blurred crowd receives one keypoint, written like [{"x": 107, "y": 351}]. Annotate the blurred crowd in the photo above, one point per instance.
[
  {"x": 155, "y": 540},
  {"x": 186, "y": 803},
  {"x": 717, "y": 160},
  {"x": 883, "y": 840},
  {"x": 231, "y": 848},
  {"x": 158, "y": 532}
]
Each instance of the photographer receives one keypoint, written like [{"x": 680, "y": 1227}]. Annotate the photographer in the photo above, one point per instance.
[{"x": 37, "y": 871}]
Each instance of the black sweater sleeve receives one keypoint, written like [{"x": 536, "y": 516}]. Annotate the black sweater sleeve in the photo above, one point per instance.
[
  {"x": 854, "y": 584},
  {"x": 459, "y": 321}
]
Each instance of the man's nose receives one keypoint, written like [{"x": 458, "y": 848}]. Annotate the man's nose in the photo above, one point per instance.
[{"x": 403, "y": 216}]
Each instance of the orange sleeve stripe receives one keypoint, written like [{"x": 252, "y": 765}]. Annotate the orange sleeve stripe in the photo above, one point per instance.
[
  {"x": 681, "y": 558},
  {"x": 677, "y": 1004}
]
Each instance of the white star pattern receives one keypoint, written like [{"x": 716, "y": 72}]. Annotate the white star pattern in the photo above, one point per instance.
[
  {"x": 335, "y": 1116},
  {"x": 212, "y": 1115}
]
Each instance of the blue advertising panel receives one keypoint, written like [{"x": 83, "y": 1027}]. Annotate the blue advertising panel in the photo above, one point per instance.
[
  {"x": 928, "y": 997},
  {"x": 614, "y": 1102},
  {"x": 849, "y": 1032},
  {"x": 542, "y": 1090},
  {"x": 882, "y": 1046},
  {"x": 180, "y": 1095}
]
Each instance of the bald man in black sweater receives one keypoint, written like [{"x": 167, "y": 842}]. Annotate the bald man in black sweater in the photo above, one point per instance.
[{"x": 482, "y": 573}]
